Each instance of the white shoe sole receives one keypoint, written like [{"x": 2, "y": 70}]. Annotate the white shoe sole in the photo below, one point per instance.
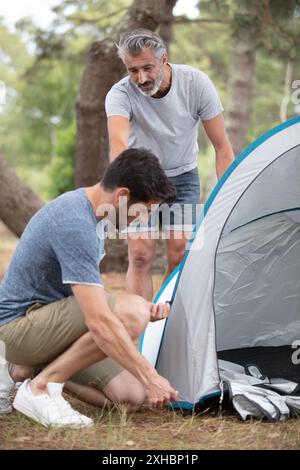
[{"x": 22, "y": 408}]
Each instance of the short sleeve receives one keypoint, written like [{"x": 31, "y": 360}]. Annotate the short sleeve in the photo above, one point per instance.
[
  {"x": 117, "y": 103},
  {"x": 78, "y": 253},
  {"x": 209, "y": 103}
]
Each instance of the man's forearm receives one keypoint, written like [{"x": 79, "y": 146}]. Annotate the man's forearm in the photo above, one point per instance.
[
  {"x": 224, "y": 158},
  {"x": 116, "y": 148}
]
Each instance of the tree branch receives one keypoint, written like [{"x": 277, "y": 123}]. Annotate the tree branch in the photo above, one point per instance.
[
  {"x": 184, "y": 19},
  {"x": 81, "y": 19}
]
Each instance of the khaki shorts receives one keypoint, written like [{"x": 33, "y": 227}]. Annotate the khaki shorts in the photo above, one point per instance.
[{"x": 46, "y": 331}]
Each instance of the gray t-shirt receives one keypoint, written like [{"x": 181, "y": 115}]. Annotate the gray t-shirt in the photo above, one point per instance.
[
  {"x": 62, "y": 245},
  {"x": 167, "y": 126}
]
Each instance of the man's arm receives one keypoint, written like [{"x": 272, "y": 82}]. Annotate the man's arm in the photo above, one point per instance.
[
  {"x": 118, "y": 133},
  {"x": 215, "y": 130},
  {"x": 112, "y": 338}
]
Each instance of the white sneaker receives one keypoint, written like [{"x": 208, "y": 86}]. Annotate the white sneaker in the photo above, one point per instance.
[
  {"x": 49, "y": 410},
  {"x": 6, "y": 388}
]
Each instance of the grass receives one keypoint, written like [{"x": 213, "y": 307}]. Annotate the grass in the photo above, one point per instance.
[{"x": 145, "y": 429}]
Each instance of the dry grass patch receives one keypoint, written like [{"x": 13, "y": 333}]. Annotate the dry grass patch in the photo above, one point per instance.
[{"x": 146, "y": 429}]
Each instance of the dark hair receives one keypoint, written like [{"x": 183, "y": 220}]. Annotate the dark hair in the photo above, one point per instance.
[{"x": 139, "y": 170}]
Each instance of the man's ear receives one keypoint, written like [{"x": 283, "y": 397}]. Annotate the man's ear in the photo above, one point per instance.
[{"x": 121, "y": 193}]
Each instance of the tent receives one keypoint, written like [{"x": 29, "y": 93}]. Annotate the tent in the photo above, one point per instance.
[{"x": 236, "y": 294}]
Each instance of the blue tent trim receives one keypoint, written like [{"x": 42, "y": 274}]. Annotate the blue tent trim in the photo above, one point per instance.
[
  {"x": 167, "y": 281},
  {"x": 244, "y": 154},
  {"x": 189, "y": 406}
]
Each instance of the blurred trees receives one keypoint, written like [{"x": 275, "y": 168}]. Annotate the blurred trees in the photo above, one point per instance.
[
  {"x": 18, "y": 201},
  {"x": 102, "y": 70},
  {"x": 245, "y": 48},
  {"x": 246, "y": 26},
  {"x": 268, "y": 27},
  {"x": 49, "y": 87},
  {"x": 249, "y": 49}
]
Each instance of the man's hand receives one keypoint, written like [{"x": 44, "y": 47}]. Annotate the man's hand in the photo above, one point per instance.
[
  {"x": 159, "y": 311},
  {"x": 160, "y": 393}
]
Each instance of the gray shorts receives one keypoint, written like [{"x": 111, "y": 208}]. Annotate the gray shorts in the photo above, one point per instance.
[{"x": 180, "y": 215}]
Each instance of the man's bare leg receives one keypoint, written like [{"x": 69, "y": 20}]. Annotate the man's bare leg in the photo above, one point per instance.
[
  {"x": 87, "y": 393},
  {"x": 126, "y": 389},
  {"x": 20, "y": 373},
  {"x": 123, "y": 389},
  {"x": 134, "y": 313},
  {"x": 141, "y": 253},
  {"x": 176, "y": 245}
]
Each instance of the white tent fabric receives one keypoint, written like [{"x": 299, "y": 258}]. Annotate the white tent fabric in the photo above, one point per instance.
[
  {"x": 250, "y": 261},
  {"x": 151, "y": 340},
  {"x": 238, "y": 284}
]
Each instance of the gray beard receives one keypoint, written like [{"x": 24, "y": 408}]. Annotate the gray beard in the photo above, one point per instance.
[{"x": 154, "y": 90}]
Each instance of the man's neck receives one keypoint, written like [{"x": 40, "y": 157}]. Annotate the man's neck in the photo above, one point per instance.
[
  {"x": 95, "y": 196},
  {"x": 166, "y": 83}
]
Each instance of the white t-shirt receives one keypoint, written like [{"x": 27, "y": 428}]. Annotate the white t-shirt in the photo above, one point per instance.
[{"x": 167, "y": 126}]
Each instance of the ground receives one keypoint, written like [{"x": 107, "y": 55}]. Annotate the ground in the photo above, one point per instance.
[{"x": 145, "y": 429}]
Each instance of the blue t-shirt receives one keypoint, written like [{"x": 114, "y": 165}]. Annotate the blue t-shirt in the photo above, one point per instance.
[{"x": 60, "y": 246}]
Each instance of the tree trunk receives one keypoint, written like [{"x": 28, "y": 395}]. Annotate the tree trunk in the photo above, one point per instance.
[
  {"x": 18, "y": 201},
  {"x": 246, "y": 27},
  {"x": 102, "y": 70},
  {"x": 166, "y": 27}
]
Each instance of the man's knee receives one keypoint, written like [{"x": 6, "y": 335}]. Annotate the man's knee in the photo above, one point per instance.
[
  {"x": 125, "y": 388},
  {"x": 141, "y": 256},
  {"x": 132, "y": 397},
  {"x": 134, "y": 312},
  {"x": 136, "y": 398},
  {"x": 21, "y": 373}
]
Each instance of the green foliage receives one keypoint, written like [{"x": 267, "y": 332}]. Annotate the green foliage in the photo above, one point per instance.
[
  {"x": 43, "y": 106},
  {"x": 61, "y": 170},
  {"x": 37, "y": 127},
  {"x": 267, "y": 95},
  {"x": 37, "y": 178},
  {"x": 193, "y": 45},
  {"x": 37, "y": 124},
  {"x": 14, "y": 58},
  {"x": 207, "y": 46}
]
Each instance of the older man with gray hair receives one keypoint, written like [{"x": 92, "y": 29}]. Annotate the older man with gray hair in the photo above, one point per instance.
[{"x": 159, "y": 106}]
